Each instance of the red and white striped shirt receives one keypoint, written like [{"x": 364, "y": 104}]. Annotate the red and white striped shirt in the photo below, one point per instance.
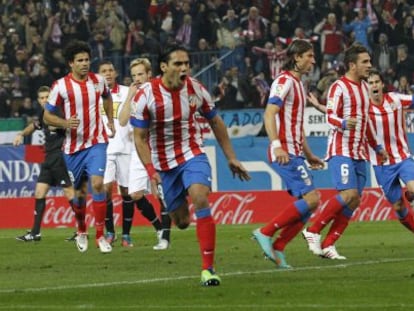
[
  {"x": 388, "y": 122},
  {"x": 174, "y": 133},
  {"x": 289, "y": 94},
  {"x": 347, "y": 99},
  {"x": 80, "y": 98}
]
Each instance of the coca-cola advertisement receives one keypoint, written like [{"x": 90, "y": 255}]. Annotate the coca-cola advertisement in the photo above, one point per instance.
[{"x": 244, "y": 207}]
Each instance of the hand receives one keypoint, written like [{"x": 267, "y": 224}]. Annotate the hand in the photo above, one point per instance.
[
  {"x": 18, "y": 140},
  {"x": 282, "y": 157},
  {"x": 155, "y": 179},
  {"x": 73, "y": 122},
  {"x": 351, "y": 123},
  {"x": 384, "y": 156},
  {"x": 237, "y": 169},
  {"x": 315, "y": 163},
  {"x": 111, "y": 127}
]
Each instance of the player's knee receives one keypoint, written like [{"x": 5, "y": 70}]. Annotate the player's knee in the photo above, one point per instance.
[{"x": 312, "y": 199}]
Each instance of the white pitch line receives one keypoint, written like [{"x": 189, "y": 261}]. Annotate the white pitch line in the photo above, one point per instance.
[{"x": 187, "y": 277}]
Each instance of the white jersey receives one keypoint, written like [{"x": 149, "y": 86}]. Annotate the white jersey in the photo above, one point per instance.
[{"x": 122, "y": 141}]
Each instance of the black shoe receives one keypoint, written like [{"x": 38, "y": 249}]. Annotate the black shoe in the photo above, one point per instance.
[
  {"x": 72, "y": 238},
  {"x": 28, "y": 237}
]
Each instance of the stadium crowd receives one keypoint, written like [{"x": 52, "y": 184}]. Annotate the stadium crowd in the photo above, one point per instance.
[{"x": 242, "y": 41}]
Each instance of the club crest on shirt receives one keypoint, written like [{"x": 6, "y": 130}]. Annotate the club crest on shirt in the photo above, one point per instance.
[{"x": 194, "y": 101}]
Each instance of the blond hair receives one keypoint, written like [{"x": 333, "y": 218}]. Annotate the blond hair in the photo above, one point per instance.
[{"x": 141, "y": 61}]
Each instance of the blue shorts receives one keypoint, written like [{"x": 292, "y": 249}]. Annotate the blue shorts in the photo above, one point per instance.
[
  {"x": 176, "y": 181},
  {"x": 348, "y": 173},
  {"x": 89, "y": 161},
  {"x": 389, "y": 176},
  {"x": 296, "y": 175}
]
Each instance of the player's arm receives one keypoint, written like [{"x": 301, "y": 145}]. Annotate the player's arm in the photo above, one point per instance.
[
  {"x": 28, "y": 130},
  {"x": 220, "y": 132},
  {"x": 109, "y": 111},
  {"x": 144, "y": 153},
  {"x": 315, "y": 162},
  {"x": 52, "y": 119},
  {"x": 334, "y": 105},
  {"x": 272, "y": 109},
  {"x": 125, "y": 112},
  {"x": 313, "y": 100},
  {"x": 375, "y": 143}
]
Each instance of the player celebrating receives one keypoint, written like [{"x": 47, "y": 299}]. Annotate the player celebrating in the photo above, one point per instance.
[
  {"x": 169, "y": 144},
  {"x": 283, "y": 120}
]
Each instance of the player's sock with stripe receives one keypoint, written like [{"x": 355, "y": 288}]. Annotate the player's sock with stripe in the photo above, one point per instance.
[
  {"x": 99, "y": 208},
  {"x": 127, "y": 214},
  {"x": 206, "y": 234},
  {"x": 166, "y": 225},
  {"x": 406, "y": 217},
  {"x": 288, "y": 215},
  {"x": 339, "y": 224},
  {"x": 109, "y": 218},
  {"x": 147, "y": 210},
  {"x": 289, "y": 232},
  {"x": 40, "y": 205},
  {"x": 334, "y": 205},
  {"x": 79, "y": 208}
]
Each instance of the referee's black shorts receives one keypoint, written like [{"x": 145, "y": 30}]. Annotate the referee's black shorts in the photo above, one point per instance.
[{"x": 53, "y": 171}]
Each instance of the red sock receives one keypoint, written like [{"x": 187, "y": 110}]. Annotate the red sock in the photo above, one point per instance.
[
  {"x": 287, "y": 234},
  {"x": 339, "y": 225},
  {"x": 79, "y": 208},
  {"x": 99, "y": 208},
  {"x": 408, "y": 220},
  {"x": 206, "y": 234},
  {"x": 331, "y": 209},
  {"x": 287, "y": 216}
]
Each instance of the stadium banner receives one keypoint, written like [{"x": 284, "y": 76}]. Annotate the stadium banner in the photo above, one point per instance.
[
  {"x": 240, "y": 123},
  {"x": 315, "y": 122},
  {"x": 9, "y": 128},
  {"x": 231, "y": 208}
]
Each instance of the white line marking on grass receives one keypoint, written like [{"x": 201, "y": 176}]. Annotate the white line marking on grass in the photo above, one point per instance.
[{"x": 187, "y": 277}]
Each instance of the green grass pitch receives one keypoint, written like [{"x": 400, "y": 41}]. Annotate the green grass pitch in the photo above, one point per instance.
[{"x": 53, "y": 275}]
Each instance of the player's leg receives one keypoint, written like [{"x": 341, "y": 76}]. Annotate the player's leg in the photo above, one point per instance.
[
  {"x": 298, "y": 180},
  {"x": 40, "y": 205},
  {"x": 351, "y": 195},
  {"x": 109, "y": 178},
  {"x": 95, "y": 165}
]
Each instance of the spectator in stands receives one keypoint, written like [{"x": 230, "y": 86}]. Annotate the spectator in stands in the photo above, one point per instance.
[
  {"x": 383, "y": 55},
  {"x": 331, "y": 40},
  {"x": 27, "y": 110},
  {"x": 229, "y": 39},
  {"x": 225, "y": 94},
  {"x": 403, "y": 86},
  {"x": 404, "y": 65},
  {"x": 360, "y": 26}
]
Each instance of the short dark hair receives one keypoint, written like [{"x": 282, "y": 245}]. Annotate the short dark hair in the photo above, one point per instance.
[
  {"x": 296, "y": 47},
  {"x": 376, "y": 72},
  {"x": 351, "y": 54},
  {"x": 105, "y": 62},
  {"x": 76, "y": 47},
  {"x": 165, "y": 55}
]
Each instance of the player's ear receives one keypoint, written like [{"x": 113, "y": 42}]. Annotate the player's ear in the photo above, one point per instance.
[{"x": 163, "y": 66}]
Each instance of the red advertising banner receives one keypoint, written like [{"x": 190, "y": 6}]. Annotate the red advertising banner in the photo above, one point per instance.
[{"x": 245, "y": 207}]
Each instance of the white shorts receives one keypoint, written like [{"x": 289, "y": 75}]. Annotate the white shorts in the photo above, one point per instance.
[
  {"x": 117, "y": 169},
  {"x": 138, "y": 177}
]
